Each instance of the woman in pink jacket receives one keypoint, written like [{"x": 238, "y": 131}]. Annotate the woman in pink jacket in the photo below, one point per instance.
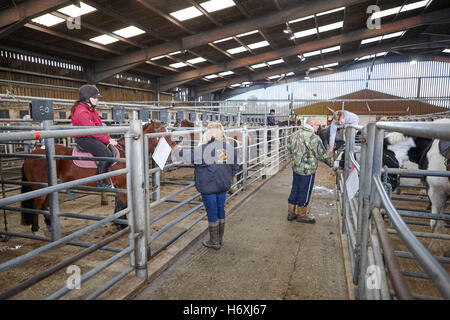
[{"x": 83, "y": 113}]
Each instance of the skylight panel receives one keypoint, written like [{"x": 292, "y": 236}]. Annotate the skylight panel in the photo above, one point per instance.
[
  {"x": 48, "y": 20},
  {"x": 275, "y": 62},
  {"x": 247, "y": 33},
  {"x": 446, "y": 50},
  {"x": 156, "y": 58},
  {"x": 260, "y": 65},
  {"x": 330, "y": 11},
  {"x": 313, "y": 68},
  {"x": 301, "y": 19},
  {"x": 235, "y": 85},
  {"x": 290, "y": 74},
  {"x": 331, "y": 26},
  {"x": 392, "y": 11},
  {"x": 211, "y": 76},
  {"x": 215, "y": 5},
  {"x": 226, "y": 73},
  {"x": 223, "y": 40},
  {"x": 196, "y": 60},
  {"x": 305, "y": 33},
  {"x": 104, "y": 39},
  {"x": 178, "y": 65},
  {"x": 311, "y": 53},
  {"x": 371, "y": 56},
  {"x": 174, "y": 53},
  {"x": 236, "y": 50},
  {"x": 129, "y": 32},
  {"x": 75, "y": 11},
  {"x": 274, "y": 77},
  {"x": 384, "y": 37},
  {"x": 186, "y": 14},
  {"x": 257, "y": 45},
  {"x": 331, "y": 49},
  {"x": 334, "y": 64}
]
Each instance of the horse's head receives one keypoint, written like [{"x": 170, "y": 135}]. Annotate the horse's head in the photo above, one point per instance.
[{"x": 156, "y": 127}]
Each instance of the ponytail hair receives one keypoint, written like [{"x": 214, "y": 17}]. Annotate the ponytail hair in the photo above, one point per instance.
[{"x": 72, "y": 110}]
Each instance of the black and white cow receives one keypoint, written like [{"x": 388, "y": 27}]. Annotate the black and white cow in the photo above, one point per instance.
[{"x": 427, "y": 154}]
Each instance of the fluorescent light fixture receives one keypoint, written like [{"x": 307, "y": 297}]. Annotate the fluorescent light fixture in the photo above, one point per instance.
[
  {"x": 212, "y": 76},
  {"x": 223, "y": 40},
  {"x": 236, "y": 50},
  {"x": 275, "y": 61},
  {"x": 156, "y": 58},
  {"x": 247, "y": 33},
  {"x": 301, "y": 19},
  {"x": 260, "y": 65},
  {"x": 186, "y": 14},
  {"x": 215, "y": 5},
  {"x": 104, "y": 39},
  {"x": 274, "y": 77},
  {"x": 311, "y": 53},
  {"x": 75, "y": 11},
  {"x": 384, "y": 37},
  {"x": 392, "y": 11},
  {"x": 196, "y": 60},
  {"x": 178, "y": 65},
  {"x": 129, "y": 32},
  {"x": 257, "y": 45},
  {"x": 330, "y": 11},
  {"x": 226, "y": 73},
  {"x": 331, "y": 26},
  {"x": 174, "y": 53},
  {"x": 446, "y": 50},
  {"x": 48, "y": 20}
]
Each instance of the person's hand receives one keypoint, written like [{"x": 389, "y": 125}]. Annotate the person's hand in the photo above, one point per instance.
[
  {"x": 113, "y": 142},
  {"x": 330, "y": 152}
]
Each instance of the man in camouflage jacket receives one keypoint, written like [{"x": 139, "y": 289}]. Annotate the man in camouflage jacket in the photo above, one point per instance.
[{"x": 305, "y": 150}]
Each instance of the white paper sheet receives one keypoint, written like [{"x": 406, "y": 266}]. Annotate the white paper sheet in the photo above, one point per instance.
[
  {"x": 161, "y": 153},
  {"x": 352, "y": 183}
]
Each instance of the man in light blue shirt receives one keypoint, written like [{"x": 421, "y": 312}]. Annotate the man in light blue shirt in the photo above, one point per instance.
[{"x": 341, "y": 119}]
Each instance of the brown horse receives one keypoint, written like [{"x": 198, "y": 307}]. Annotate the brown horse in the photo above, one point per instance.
[{"x": 35, "y": 170}]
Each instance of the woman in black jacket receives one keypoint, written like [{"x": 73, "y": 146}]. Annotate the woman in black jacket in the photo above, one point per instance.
[{"x": 215, "y": 163}]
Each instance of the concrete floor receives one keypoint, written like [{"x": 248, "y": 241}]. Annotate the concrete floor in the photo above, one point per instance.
[{"x": 264, "y": 256}]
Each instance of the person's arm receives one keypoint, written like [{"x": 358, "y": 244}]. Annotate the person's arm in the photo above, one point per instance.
[
  {"x": 320, "y": 152},
  {"x": 83, "y": 118},
  {"x": 333, "y": 130}
]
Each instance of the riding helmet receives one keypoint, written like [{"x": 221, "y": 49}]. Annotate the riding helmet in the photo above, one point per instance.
[{"x": 88, "y": 91}]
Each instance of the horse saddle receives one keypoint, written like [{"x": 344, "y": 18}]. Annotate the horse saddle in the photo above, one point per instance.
[{"x": 78, "y": 152}]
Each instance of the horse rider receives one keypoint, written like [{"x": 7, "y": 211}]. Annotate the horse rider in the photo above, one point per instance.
[
  {"x": 341, "y": 119},
  {"x": 83, "y": 113}
]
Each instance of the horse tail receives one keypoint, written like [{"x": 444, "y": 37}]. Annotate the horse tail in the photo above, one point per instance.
[{"x": 27, "y": 218}]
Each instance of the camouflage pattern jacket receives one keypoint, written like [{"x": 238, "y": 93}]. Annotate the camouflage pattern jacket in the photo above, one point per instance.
[{"x": 305, "y": 149}]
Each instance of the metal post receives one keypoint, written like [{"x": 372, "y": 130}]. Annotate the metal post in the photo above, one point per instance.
[
  {"x": 346, "y": 204},
  {"x": 366, "y": 209},
  {"x": 52, "y": 181},
  {"x": 244, "y": 156},
  {"x": 266, "y": 150},
  {"x": 362, "y": 178},
  {"x": 376, "y": 164},
  {"x": 139, "y": 194}
]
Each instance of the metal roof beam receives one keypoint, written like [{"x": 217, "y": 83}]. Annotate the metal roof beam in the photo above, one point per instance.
[
  {"x": 170, "y": 81},
  {"x": 114, "y": 65},
  {"x": 309, "y": 64},
  {"x": 28, "y": 10}
]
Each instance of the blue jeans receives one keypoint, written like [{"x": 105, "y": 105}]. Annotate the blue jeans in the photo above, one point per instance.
[
  {"x": 301, "y": 190},
  {"x": 214, "y": 205}
]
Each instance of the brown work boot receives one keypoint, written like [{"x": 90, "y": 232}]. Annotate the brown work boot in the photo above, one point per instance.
[
  {"x": 303, "y": 217},
  {"x": 291, "y": 212}
]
